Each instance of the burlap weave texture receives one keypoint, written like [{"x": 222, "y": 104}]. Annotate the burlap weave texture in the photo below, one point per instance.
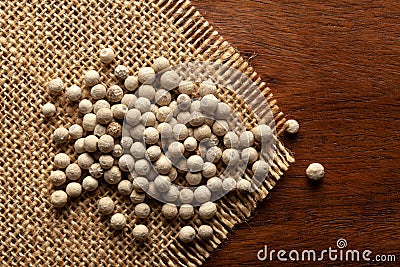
[{"x": 40, "y": 40}]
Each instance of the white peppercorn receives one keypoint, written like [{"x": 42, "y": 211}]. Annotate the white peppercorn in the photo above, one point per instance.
[
  {"x": 209, "y": 104},
  {"x": 186, "y": 87},
  {"x": 193, "y": 178},
  {"x": 230, "y": 157},
  {"x": 207, "y": 210},
  {"x": 136, "y": 197},
  {"x": 231, "y": 140},
  {"x": 75, "y": 131},
  {"x": 106, "y": 161},
  {"x": 292, "y": 126},
  {"x": 207, "y": 87},
  {"x": 249, "y": 155},
  {"x": 100, "y": 104},
  {"x": 151, "y": 135},
  {"x": 55, "y": 86},
  {"x": 133, "y": 117},
  {"x": 113, "y": 175},
  {"x": 180, "y": 132},
  {"x": 89, "y": 184},
  {"x": 160, "y": 64},
  {"x": 73, "y": 93},
  {"x": 202, "y": 194},
  {"x": 176, "y": 150},
  {"x": 174, "y": 108},
  {"x": 61, "y": 160},
  {"x": 104, "y": 116},
  {"x": 195, "y": 163},
  {"x": 162, "y": 183},
  {"x": 137, "y": 132},
  {"x": 184, "y": 101},
  {"x": 187, "y": 234},
  {"x": 165, "y": 130},
  {"x": 121, "y": 72},
  {"x": 99, "y": 130},
  {"x": 186, "y": 196},
  {"x": 315, "y": 172},
  {"x": 129, "y": 100},
  {"x": 105, "y": 143},
  {"x": 142, "y": 167},
  {"x": 114, "y": 129},
  {"x": 169, "y": 80},
  {"x": 140, "y": 184},
  {"x": 164, "y": 114},
  {"x": 91, "y": 143},
  {"x": 60, "y": 135},
  {"x": 118, "y": 221},
  {"x": 73, "y": 172},
  {"x": 205, "y": 232},
  {"x": 172, "y": 194},
  {"x": 243, "y": 185},
  {"x": 213, "y": 154},
  {"x": 146, "y": 75},
  {"x": 184, "y": 117},
  {"x": 59, "y": 198},
  {"x": 79, "y": 145},
  {"x": 98, "y": 91},
  {"x": 143, "y": 104},
  {"x": 149, "y": 119},
  {"x": 73, "y": 189},
  {"x": 106, "y": 205},
  {"x": 163, "y": 165},
  {"x": 58, "y": 178},
  {"x": 197, "y": 119},
  {"x": 173, "y": 174},
  {"x": 220, "y": 127},
  {"x": 186, "y": 211},
  {"x": 246, "y": 139},
  {"x": 126, "y": 163},
  {"x": 169, "y": 211},
  {"x": 96, "y": 171},
  {"x": 262, "y": 133},
  {"x": 147, "y": 91},
  {"x": 214, "y": 184},
  {"x": 163, "y": 97},
  {"x": 228, "y": 184},
  {"x": 202, "y": 132},
  {"x": 125, "y": 187},
  {"x": 223, "y": 111},
  {"x": 140, "y": 232},
  {"x": 119, "y": 111},
  {"x": 92, "y": 78},
  {"x": 131, "y": 83},
  {"x": 260, "y": 169},
  {"x": 153, "y": 153},
  {"x": 115, "y": 93},
  {"x": 190, "y": 143},
  {"x": 85, "y": 161},
  {"x": 89, "y": 122},
  {"x": 107, "y": 55},
  {"x": 118, "y": 151},
  {"x": 209, "y": 170},
  {"x": 48, "y": 110},
  {"x": 138, "y": 150},
  {"x": 142, "y": 210}
]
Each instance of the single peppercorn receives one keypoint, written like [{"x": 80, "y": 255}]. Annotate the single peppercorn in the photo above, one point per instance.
[
  {"x": 61, "y": 160},
  {"x": 73, "y": 172},
  {"x": 60, "y": 135},
  {"x": 169, "y": 211},
  {"x": 140, "y": 232},
  {"x": 48, "y": 110},
  {"x": 118, "y": 221},
  {"x": 92, "y": 78},
  {"x": 73, "y": 93},
  {"x": 113, "y": 175},
  {"x": 115, "y": 93},
  {"x": 142, "y": 210},
  {"x": 75, "y": 131},
  {"x": 186, "y": 211},
  {"x": 98, "y": 91},
  {"x": 58, "y": 178},
  {"x": 121, "y": 72},
  {"x": 187, "y": 234},
  {"x": 59, "y": 198},
  {"x": 73, "y": 189},
  {"x": 205, "y": 232},
  {"x": 106, "y": 143},
  {"x": 107, "y": 55},
  {"x": 89, "y": 184},
  {"x": 315, "y": 172},
  {"x": 106, "y": 205},
  {"x": 55, "y": 86}
]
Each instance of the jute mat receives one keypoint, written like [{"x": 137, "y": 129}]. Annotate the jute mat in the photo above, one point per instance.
[{"x": 40, "y": 40}]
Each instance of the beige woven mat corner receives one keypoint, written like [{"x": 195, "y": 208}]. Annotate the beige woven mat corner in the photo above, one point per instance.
[{"x": 40, "y": 40}]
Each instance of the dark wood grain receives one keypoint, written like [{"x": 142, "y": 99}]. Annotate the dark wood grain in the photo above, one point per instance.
[{"x": 335, "y": 67}]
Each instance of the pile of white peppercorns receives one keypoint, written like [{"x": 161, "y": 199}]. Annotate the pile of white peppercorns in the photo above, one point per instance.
[{"x": 145, "y": 132}]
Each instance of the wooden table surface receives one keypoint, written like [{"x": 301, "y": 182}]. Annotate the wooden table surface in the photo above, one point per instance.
[{"x": 335, "y": 67}]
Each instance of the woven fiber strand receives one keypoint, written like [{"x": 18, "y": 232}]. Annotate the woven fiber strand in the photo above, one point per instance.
[{"x": 41, "y": 40}]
